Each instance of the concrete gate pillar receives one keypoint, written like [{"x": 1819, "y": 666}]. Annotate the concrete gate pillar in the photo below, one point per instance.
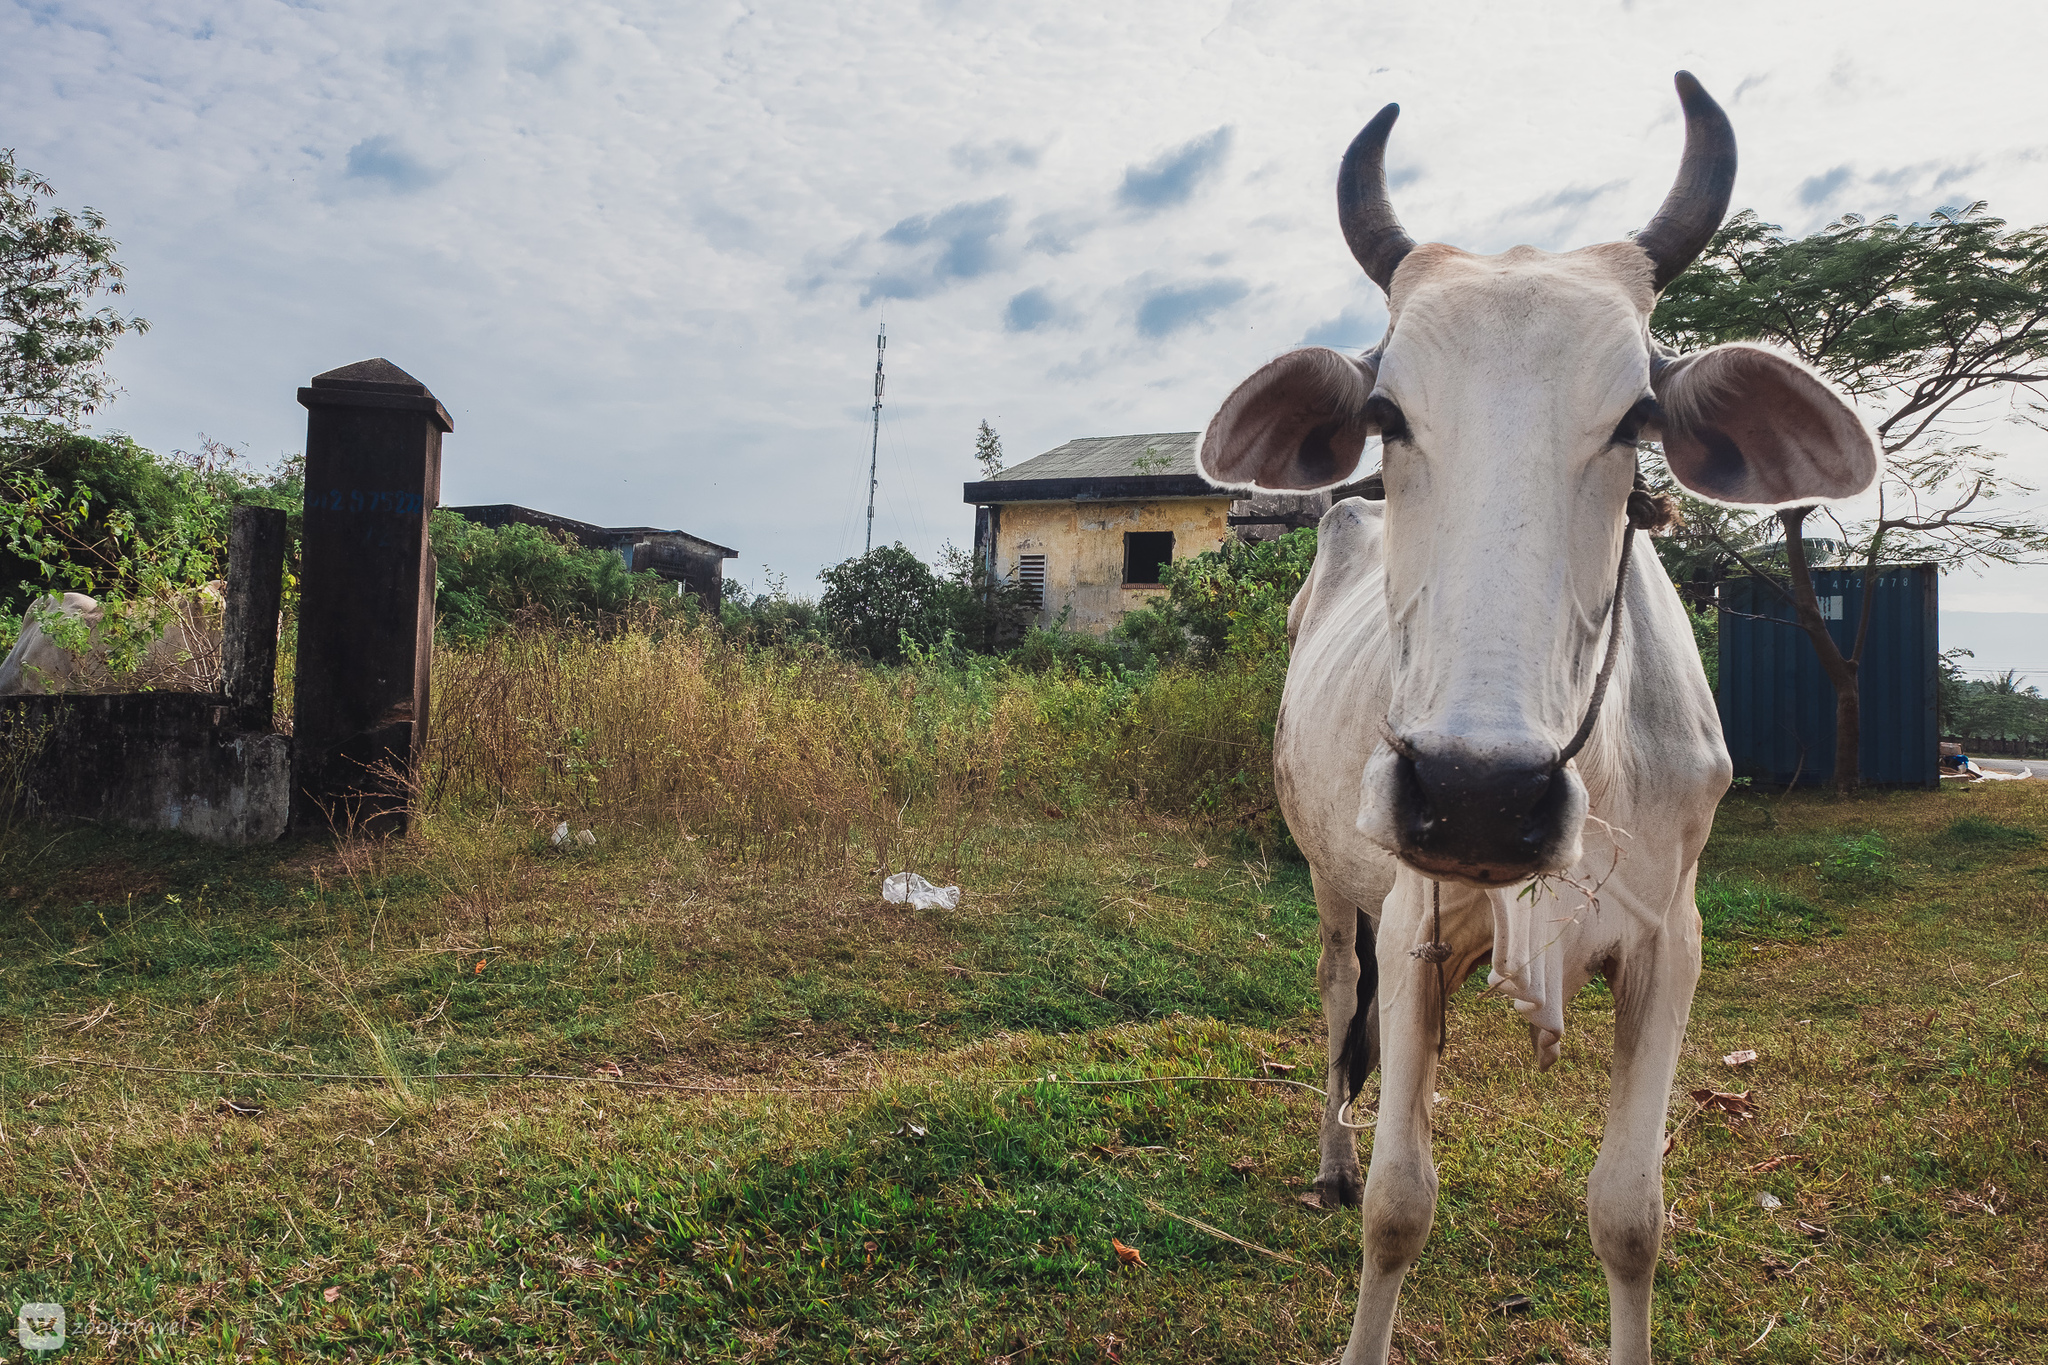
[
  {"x": 248, "y": 651},
  {"x": 366, "y": 596}
]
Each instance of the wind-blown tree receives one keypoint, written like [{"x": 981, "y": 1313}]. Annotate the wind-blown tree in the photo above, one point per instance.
[
  {"x": 52, "y": 266},
  {"x": 1938, "y": 330}
]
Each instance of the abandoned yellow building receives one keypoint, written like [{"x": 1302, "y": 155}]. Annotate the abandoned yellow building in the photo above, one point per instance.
[{"x": 1090, "y": 523}]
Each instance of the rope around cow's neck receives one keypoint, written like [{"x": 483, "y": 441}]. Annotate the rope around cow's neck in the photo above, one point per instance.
[
  {"x": 1649, "y": 512},
  {"x": 1585, "y": 732}
]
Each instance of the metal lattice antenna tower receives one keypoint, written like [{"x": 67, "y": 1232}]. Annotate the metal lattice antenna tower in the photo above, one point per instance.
[{"x": 875, "y": 445}]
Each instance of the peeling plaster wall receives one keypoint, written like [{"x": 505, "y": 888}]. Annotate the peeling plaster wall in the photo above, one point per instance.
[{"x": 1083, "y": 545}]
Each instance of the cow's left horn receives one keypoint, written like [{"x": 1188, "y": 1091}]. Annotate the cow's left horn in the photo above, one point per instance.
[
  {"x": 1699, "y": 197},
  {"x": 1370, "y": 226}
]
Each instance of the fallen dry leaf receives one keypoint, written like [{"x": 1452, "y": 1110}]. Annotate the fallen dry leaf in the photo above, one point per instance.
[
  {"x": 1515, "y": 1303},
  {"x": 610, "y": 1069},
  {"x": 480, "y": 965},
  {"x": 1128, "y": 1255},
  {"x": 332, "y": 1293},
  {"x": 1813, "y": 1230},
  {"x": 1742, "y": 1058},
  {"x": 1311, "y": 1200},
  {"x": 1276, "y": 1068},
  {"x": 1244, "y": 1167},
  {"x": 1735, "y": 1104},
  {"x": 1775, "y": 1162}
]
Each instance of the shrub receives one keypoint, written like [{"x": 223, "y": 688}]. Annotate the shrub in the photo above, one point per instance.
[
  {"x": 875, "y": 602},
  {"x": 983, "y": 613},
  {"x": 1234, "y": 599},
  {"x": 488, "y": 578},
  {"x": 772, "y": 617}
]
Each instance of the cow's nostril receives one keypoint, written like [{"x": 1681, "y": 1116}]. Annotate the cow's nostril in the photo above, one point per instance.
[{"x": 1418, "y": 819}]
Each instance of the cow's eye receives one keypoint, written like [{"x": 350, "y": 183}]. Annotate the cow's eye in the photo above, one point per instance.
[
  {"x": 1630, "y": 429},
  {"x": 1386, "y": 417}
]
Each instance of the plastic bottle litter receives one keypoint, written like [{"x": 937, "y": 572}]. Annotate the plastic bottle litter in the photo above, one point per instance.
[
  {"x": 907, "y": 888},
  {"x": 561, "y": 833}
]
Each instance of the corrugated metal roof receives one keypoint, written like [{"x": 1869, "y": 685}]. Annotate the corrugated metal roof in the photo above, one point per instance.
[{"x": 1111, "y": 457}]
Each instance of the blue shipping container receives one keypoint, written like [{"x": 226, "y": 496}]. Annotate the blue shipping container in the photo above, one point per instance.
[{"x": 1777, "y": 706}]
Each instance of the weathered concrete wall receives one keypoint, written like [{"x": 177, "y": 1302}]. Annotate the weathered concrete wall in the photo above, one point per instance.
[
  {"x": 1083, "y": 545},
  {"x": 154, "y": 760}
]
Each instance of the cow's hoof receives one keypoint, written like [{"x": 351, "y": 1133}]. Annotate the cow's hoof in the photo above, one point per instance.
[{"x": 1344, "y": 1189}]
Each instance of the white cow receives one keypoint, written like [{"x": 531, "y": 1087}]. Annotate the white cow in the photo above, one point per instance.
[
  {"x": 1496, "y": 744},
  {"x": 184, "y": 655}
]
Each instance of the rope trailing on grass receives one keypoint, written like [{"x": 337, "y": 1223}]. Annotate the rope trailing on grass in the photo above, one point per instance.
[{"x": 1050, "y": 1078}]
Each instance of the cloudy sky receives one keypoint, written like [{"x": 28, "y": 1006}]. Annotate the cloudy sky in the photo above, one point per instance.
[{"x": 640, "y": 250}]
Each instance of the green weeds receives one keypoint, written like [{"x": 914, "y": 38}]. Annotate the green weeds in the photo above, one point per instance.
[{"x": 1732, "y": 909}]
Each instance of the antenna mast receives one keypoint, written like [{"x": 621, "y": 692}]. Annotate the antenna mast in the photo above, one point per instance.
[{"x": 875, "y": 444}]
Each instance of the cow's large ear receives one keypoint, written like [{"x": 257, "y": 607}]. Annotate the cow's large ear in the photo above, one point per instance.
[
  {"x": 1298, "y": 423},
  {"x": 1748, "y": 426}
]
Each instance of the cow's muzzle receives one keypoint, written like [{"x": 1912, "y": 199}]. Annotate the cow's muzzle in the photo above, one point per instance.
[{"x": 1486, "y": 814}]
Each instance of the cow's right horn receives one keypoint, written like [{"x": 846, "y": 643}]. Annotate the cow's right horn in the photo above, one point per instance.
[
  {"x": 1375, "y": 234},
  {"x": 1692, "y": 212}
]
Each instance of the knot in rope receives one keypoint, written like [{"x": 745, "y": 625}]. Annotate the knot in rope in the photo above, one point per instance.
[{"x": 1652, "y": 512}]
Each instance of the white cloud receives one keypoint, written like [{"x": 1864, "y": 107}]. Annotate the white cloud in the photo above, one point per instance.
[{"x": 628, "y": 243}]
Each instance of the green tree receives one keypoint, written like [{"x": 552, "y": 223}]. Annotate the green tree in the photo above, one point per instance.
[
  {"x": 988, "y": 451},
  {"x": 1935, "y": 329},
  {"x": 1998, "y": 707},
  {"x": 53, "y": 264},
  {"x": 875, "y": 602}
]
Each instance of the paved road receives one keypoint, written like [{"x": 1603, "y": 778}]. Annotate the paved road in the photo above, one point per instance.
[{"x": 2037, "y": 766}]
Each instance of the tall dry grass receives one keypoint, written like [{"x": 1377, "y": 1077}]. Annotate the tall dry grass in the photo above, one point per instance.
[{"x": 797, "y": 753}]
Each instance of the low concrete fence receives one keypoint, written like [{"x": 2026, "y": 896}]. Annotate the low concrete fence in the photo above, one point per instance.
[
  {"x": 155, "y": 760},
  {"x": 215, "y": 765}
]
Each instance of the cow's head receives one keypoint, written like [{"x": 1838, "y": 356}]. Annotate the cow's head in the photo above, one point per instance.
[{"x": 1509, "y": 393}]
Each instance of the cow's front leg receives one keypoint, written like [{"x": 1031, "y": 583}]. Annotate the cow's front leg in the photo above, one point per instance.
[
  {"x": 1400, "y": 1183},
  {"x": 1345, "y": 976},
  {"x": 1653, "y": 991}
]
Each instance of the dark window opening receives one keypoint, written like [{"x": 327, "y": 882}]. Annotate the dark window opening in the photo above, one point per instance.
[{"x": 1144, "y": 553}]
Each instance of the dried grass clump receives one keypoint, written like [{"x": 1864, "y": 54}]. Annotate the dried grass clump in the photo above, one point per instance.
[{"x": 796, "y": 752}]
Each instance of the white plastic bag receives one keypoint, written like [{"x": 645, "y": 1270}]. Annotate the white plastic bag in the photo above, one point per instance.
[{"x": 902, "y": 888}]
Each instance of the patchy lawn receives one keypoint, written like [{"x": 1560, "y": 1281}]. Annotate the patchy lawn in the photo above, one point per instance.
[{"x": 889, "y": 1157}]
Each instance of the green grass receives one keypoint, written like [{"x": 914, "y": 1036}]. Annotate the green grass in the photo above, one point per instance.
[{"x": 930, "y": 1183}]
